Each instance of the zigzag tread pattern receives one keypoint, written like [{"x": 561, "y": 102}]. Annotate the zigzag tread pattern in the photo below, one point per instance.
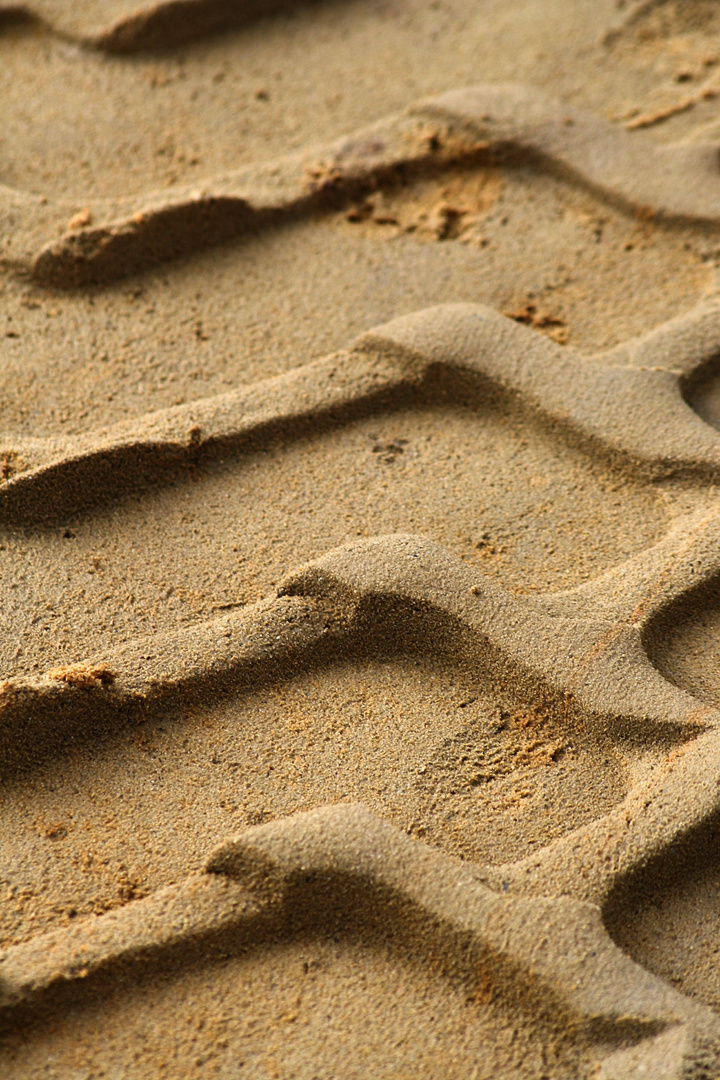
[
  {"x": 581, "y": 652},
  {"x": 600, "y": 402},
  {"x": 478, "y": 123},
  {"x": 522, "y": 955}
]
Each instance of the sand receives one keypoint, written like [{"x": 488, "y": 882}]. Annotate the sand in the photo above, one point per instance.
[{"x": 359, "y": 471}]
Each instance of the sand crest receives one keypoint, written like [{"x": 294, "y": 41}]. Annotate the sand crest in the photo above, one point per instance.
[{"x": 359, "y": 540}]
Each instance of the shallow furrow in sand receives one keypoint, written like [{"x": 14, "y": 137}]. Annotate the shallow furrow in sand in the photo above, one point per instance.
[
  {"x": 123, "y": 26},
  {"x": 373, "y": 590},
  {"x": 301, "y": 872},
  {"x": 498, "y": 778},
  {"x": 107, "y": 240},
  {"x": 627, "y": 411}
]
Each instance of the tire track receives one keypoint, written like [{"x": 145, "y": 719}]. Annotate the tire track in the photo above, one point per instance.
[{"x": 108, "y": 240}]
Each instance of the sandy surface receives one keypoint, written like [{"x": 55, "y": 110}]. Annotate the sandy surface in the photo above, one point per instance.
[{"x": 485, "y": 773}]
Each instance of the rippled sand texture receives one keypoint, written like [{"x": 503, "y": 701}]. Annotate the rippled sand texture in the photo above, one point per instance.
[{"x": 359, "y": 539}]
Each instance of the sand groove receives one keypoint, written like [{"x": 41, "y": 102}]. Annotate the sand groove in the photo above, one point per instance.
[
  {"x": 125, "y": 27},
  {"x": 592, "y": 676},
  {"x": 334, "y": 597},
  {"x": 460, "y": 349},
  {"x": 107, "y": 240},
  {"x": 417, "y": 785},
  {"x": 253, "y": 883}
]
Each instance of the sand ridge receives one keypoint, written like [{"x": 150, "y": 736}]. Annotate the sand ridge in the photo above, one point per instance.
[
  {"x": 106, "y": 241},
  {"x": 468, "y": 344},
  {"x": 356, "y": 585},
  {"x": 358, "y": 540}
]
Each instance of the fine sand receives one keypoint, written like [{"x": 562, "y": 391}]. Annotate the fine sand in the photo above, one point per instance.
[{"x": 226, "y": 192}]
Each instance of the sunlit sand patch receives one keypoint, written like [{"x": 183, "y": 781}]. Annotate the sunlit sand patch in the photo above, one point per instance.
[
  {"x": 514, "y": 501},
  {"x": 420, "y": 742},
  {"x": 329, "y": 1006}
]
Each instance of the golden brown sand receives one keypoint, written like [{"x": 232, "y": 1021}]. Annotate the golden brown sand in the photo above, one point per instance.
[{"x": 99, "y": 816}]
